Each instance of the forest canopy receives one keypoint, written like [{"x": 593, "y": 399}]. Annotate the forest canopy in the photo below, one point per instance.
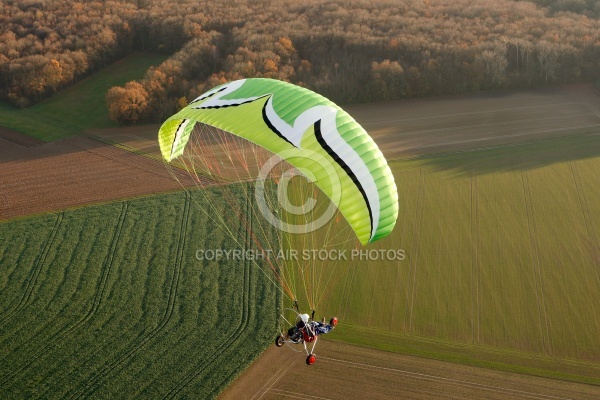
[{"x": 349, "y": 51}]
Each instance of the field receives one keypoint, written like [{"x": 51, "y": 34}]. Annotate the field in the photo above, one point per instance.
[
  {"x": 79, "y": 107},
  {"x": 499, "y": 220},
  {"x": 488, "y": 120},
  {"x": 72, "y": 172},
  {"x": 344, "y": 371},
  {"x": 502, "y": 265},
  {"x": 110, "y": 302},
  {"x": 416, "y": 128},
  {"x": 501, "y": 248}
]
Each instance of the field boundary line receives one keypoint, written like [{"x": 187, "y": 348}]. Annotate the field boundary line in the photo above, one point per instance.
[
  {"x": 120, "y": 146},
  {"x": 236, "y": 333},
  {"x": 468, "y": 346},
  {"x": 176, "y": 169},
  {"x": 35, "y": 271},
  {"x": 65, "y": 332},
  {"x": 119, "y": 159},
  {"x": 90, "y": 385},
  {"x": 437, "y": 378},
  {"x": 71, "y": 128},
  {"x": 3, "y": 203}
]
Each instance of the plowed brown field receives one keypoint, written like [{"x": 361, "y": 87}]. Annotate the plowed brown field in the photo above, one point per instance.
[
  {"x": 343, "y": 371},
  {"x": 37, "y": 177}
]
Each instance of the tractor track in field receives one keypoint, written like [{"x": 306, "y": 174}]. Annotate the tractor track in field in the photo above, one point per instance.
[
  {"x": 65, "y": 332},
  {"x": 278, "y": 296},
  {"x": 237, "y": 332},
  {"x": 35, "y": 272},
  {"x": 412, "y": 254},
  {"x": 87, "y": 388},
  {"x": 348, "y": 371},
  {"x": 585, "y": 210},
  {"x": 535, "y": 259},
  {"x": 372, "y": 297},
  {"x": 398, "y": 274},
  {"x": 346, "y": 292},
  {"x": 225, "y": 344},
  {"x": 272, "y": 381},
  {"x": 475, "y": 314},
  {"x": 446, "y": 380},
  {"x": 410, "y": 291}
]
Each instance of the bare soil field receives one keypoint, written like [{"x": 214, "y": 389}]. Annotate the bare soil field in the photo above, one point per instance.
[
  {"x": 36, "y": 177},
  {"x": 447, "y": 124},
  {"x": 458, "y": 123},
  {"x": 11, "y": 138},
  {"x": 343, "y": 371},
  {"x": 143, "y": 138}
]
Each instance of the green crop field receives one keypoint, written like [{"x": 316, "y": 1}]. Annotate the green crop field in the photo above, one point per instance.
[
  {"x": 502, "y": 259},
  {"x": 109, "y": 301},
  {"x": 80, "y": 106}
]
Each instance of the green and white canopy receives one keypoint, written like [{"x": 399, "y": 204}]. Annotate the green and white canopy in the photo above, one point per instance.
[{"x": 304, "y": 128}]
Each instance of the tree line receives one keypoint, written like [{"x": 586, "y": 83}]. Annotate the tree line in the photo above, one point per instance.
[{"x": 350, "y": 51}]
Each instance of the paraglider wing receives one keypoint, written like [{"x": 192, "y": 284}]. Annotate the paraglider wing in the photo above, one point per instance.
[{"x": 302, "y": 127}]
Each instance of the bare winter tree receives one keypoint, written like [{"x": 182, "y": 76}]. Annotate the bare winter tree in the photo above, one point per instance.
[
  {"x": 494, "y": 62},
  {"x": 547, "y": 55}
]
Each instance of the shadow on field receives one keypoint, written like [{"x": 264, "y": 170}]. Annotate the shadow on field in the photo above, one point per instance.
[
  {"x": 526, "y": 156},
  {"x": 16, "y": 147},
  {"x": 11, "y": 137},
  {"x": 538, "y": 91}
]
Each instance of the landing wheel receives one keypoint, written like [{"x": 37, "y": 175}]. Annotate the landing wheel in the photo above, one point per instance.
[
  {"x": 310, "y": 360},
  {"x": 279, "y": 341}
]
